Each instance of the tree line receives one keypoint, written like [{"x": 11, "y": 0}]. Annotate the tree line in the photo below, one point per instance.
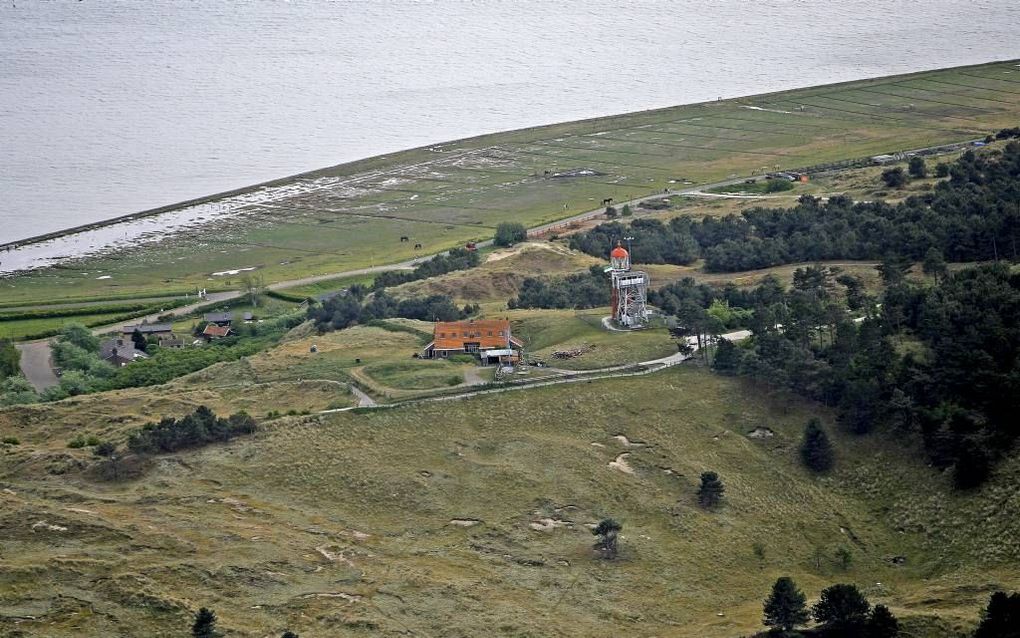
[
  {"x": 972, "y": 215},
  {"x": 456, "y": 259},
  {"x": 843, "y": 611},
  {"x": 358, "y": 307}
]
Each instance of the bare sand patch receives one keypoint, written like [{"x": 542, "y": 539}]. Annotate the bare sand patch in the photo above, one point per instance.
[{"x": 620, "y": 464}]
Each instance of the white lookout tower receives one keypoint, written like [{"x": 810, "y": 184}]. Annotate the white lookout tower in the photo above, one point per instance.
[{"x": 630, "y": 290}]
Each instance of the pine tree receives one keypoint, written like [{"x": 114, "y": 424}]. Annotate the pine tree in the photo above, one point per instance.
[
  {"x": 815, "y": 449},
  {"x": 607, "y": 532},
  {"x": 786, "y": 607},
  {"x": 1002, "y": 617},
  {"x": 916, "y": 167},
  {"x": 842, "y": 610},
  {"x": 934, "y": 264},
  {"x": 205, "y": 624},
  {"x": 727, "y": 358},
  {"x": 711, "y": 489},
  {"x": 882, "y": 624}
]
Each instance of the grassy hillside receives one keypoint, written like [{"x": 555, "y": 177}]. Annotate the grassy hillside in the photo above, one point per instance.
[
  {"x": 354, "y": 215},
  {"x": 470, "y": 518}
]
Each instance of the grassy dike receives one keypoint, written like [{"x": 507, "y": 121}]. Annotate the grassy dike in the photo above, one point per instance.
[{"x": 353, "y": 215}]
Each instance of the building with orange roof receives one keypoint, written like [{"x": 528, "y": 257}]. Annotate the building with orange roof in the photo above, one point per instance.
[{"x": 489, "y": 339}]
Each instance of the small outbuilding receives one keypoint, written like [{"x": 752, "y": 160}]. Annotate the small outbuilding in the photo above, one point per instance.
[{"x": 219, "y": 318}]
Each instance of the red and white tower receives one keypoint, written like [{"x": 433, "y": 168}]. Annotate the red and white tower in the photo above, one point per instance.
[{"x": 629, "y": 296}]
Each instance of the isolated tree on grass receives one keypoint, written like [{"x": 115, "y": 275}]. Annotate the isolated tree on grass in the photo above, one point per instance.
[
  {"x": 882, "y": 623},
  {"x": 289, "y": 634},
  {"x": 625, "y": 211},
  {"x": 205, "y": 624},
  {"x": 894, "y": 177},
  {"x": 916, "y": 167},
  {"x": 711, "y": 490},
  {"x": 509, "y": 233},
  {"x": 607, "y": 532},
  {"x": 842, "y": 611},
  {"x": 786, "y": 606},
  {"x": 815, "y": 449}
]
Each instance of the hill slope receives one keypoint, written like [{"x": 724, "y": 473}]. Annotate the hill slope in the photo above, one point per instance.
[{"x": 363, "y": 524}]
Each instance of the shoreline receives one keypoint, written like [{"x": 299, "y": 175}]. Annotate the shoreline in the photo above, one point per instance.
[{"x": 367, "y": 162}]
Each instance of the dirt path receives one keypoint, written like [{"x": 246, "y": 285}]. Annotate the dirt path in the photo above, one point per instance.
[
  {"x": 36, "y": 365},
  {"x": 364, "y": 401},
  {"x": 571, "y": 376}
]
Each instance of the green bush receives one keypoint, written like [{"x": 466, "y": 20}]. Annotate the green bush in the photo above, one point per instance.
[
  {"x": 76, "y": 442},
  {"x": 10, "y": 359},
  {"x": 509, "y": 233},
  {"x": 10, "y": 440},
  {"x": 778, "y": 185}
]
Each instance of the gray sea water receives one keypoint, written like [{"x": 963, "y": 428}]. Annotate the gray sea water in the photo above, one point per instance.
[{"x": 109, "y": 108}]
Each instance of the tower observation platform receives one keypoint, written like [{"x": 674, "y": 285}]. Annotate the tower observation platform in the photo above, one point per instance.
[{"x": 629, "y": 295}]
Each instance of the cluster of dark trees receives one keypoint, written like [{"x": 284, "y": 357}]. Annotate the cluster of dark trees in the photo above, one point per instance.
[
  {"x": 974, "y": 215},
  {"x": 938, "y": 361},
  {"x": 1007, "y": 133},
  {"x": 580, "y": 290},
  {"x": 196, "y": 429},
  {"x": 456, "y": 259},
  {"x": 659, "y": 243},
  {"x": 841, "y": 612},
  {"x": 352, "y": 308}
]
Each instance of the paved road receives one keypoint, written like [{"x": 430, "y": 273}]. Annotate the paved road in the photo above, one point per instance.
[{"x": 36, "y": 365}]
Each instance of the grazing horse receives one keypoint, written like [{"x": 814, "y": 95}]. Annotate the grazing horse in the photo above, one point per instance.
[
  {"x": 607, "y": 201},
  {"x": 417, "y": 246},
  {"x": 404, "y": 239}
]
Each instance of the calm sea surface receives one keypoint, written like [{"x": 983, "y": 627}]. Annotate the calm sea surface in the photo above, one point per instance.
[{"x": 108, "y": 108}]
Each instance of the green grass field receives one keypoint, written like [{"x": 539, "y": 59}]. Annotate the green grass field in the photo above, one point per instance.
[
  {"x": 546, "y": 331},
  {"x": 470, "y": 518},
  {"x": 353, "y": 216}
]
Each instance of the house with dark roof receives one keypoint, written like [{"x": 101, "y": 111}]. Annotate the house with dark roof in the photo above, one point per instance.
[
  {"x": 156, "y": 329},
  {"x": 219, "y": 318},
  {"x": 120, "y": 352},
  {"x": 489, "y": 339},
  {"x": 171, "y": 341}
]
